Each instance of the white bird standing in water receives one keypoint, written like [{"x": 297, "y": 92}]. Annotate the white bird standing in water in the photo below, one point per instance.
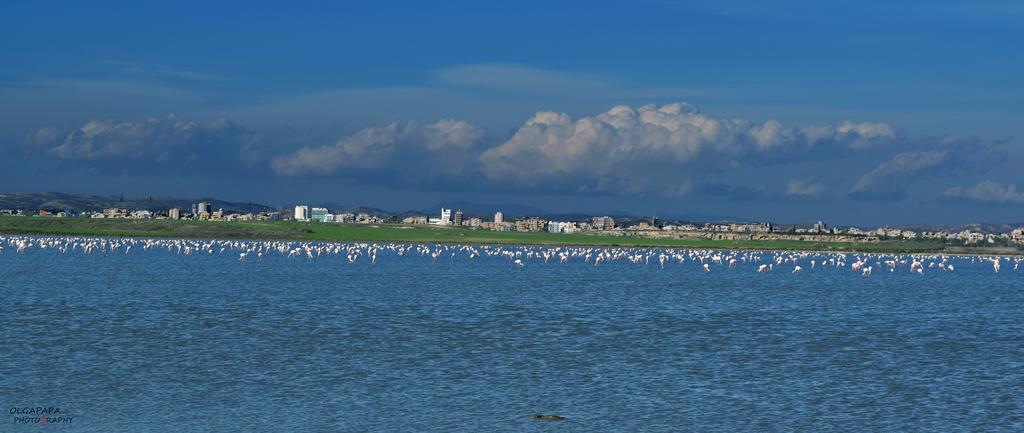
[{"x": 710, "y": 261}]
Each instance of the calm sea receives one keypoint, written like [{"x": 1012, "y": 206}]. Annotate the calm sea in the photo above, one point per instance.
[{"x": 158, "y": 341}]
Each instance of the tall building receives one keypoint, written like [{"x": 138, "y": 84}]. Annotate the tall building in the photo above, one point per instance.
[
  {"x": 204, "y": 207},
  {"x": 499, "y": 217},
  {"x": 302, "y": 213},
  {"x": 318, "y": 214},
  {"x": 820, "y": 227},
  {"x": 174, "y": 213},
  {"x": 458, "y": 217},
  {"x": 603, "y": 223},
  {"x": 531, "y": 225},
  {"x": 446, "y": 216}
]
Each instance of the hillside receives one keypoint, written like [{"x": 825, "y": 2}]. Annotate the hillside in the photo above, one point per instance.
[{"x": 56, "y": 201}]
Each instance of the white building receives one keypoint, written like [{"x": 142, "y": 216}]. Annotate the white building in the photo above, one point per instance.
[
  {"x": 446, "y": 216},
  {"x": 114, "y": 212},
  {"x": 560, "y": 227},
  {"x": 318, "y": 214},
  {"x": 174, "y": 213},
  {"x": 499, "y": 217},
  {"x": 302, "y": 213}
]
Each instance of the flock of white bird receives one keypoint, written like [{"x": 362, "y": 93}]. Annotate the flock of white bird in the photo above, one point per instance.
[{"x": 795, "y": 262}]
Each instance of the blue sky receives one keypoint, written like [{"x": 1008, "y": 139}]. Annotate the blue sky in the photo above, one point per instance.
[{"x": 853, "y": 112}]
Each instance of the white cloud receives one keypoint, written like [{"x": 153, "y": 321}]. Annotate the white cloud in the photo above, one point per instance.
[
  {"x": 444, "y": 147},
  {"x": 948, "y": 156},
  {"x": 987, "y": 192},
  {"x": 154, "y": 145},
  {"x": 670, "y": 150},
  {"x": 105, "y": 139},
  {"x": 889, "y": 179},
  {"x": 654, "y": 147},
  {"x": 864, "y": 134}
]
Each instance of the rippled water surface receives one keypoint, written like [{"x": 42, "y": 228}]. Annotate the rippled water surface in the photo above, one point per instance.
[{"x": 159, "y": 341}]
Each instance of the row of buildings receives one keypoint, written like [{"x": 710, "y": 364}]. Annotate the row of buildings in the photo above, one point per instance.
[
  {"x": 447, "y": 217},
  {"x": 529, "y": 224},
  {"x": 323, "y": 215},
  {"x": 200, "y": 211},
  {"x": 204, "y": 211}
]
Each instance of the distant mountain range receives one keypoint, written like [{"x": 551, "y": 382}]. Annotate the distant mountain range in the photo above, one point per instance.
[{"x": 85, "y": 202}]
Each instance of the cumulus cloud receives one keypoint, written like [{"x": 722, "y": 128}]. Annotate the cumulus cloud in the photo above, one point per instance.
[
  {"x": 651, "y": 147},
  {"x": 152, "y": 144},
  {"x": 671, "y": 150},
  {"x": 444, "y": 147},
  {"x": 986, "y": 192},
  {"x": 950, "y": 156},
  {"x": 804, "y": 188}
]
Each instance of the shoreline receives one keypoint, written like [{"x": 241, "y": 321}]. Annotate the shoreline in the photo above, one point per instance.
[{"x": 322, "y": 232}]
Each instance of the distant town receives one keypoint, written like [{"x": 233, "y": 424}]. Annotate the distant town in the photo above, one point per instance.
[{"x": 604, "y": 225}]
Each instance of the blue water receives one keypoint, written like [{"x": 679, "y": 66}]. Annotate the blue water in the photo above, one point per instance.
[{"x": 154, "y": 341}]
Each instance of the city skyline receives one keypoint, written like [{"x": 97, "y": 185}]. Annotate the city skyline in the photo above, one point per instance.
[
  {"x": 672, "y": 108},
  {"x": 972, "y": 235},
  {"x": 493, "y": 218}
]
